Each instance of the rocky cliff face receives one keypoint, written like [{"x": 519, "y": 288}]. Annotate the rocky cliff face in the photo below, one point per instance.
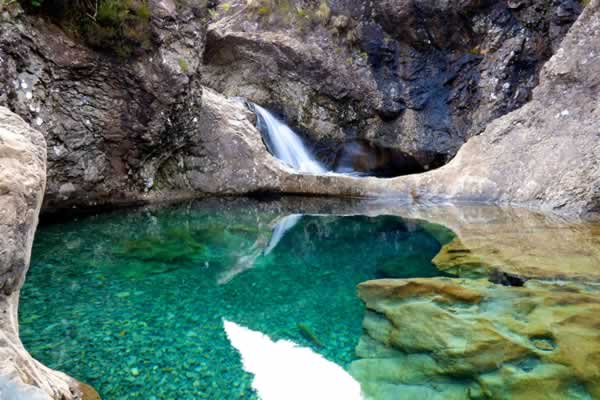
[
  {"x": 547, "y": 153},
  {"x": 109, "y": 123},
  {"x": 418, "y": 76},
  {"x": 22, "y": 183}
]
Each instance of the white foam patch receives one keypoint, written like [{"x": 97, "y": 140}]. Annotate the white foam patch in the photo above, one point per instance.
[{"x": 284, "y": 370}]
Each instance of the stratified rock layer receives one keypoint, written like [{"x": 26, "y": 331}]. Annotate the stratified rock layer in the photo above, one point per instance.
[
  {"x": 22, "y": 183},
  {"x": 109, "y": 123},
  {"x": 471, "y": 339}
]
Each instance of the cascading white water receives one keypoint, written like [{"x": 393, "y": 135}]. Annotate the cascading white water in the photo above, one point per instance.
[{"x": 286, "y": 145}]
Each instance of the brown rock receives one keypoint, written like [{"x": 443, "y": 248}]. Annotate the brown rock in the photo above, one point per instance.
[{"x": 427, "y": 337}]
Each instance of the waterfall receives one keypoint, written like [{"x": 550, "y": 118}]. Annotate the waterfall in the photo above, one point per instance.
[{"x": 285, "y": 144}]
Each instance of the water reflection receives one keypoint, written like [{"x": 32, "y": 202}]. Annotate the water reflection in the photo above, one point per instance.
[
  {"x": 247, "y": 260},
  {"x": 284, "y": 225},
  {"x": 285, "y": 370}
]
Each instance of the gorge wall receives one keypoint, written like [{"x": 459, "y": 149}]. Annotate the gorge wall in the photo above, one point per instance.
[
  {"x": 417, "y": 76},
  {"x": 108, "y": 121},
  {"x": 147, "y": 129},
  {"x": 22, "y": 183}
]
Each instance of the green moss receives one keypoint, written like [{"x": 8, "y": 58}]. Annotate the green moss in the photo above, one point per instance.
[
  {"x": 143, "y": 11},
  {"x": 286, "y": 13},
  {"x": 183, "y": 65},
  {"x": 323, "y": 12},
  {"x": 225, "y": 7},
  {"x": 213, "y": 14},
  {"x": 476, "y": 51},
  {"x": 118, "y": 26},
  {"x": 264, "y": 10}
]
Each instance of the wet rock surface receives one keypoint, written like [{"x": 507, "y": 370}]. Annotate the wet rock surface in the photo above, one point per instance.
[
  {"x": 418, "y": 76},
  {"x": 514, "y": 245},
  {"x": 470, "y": 339}
]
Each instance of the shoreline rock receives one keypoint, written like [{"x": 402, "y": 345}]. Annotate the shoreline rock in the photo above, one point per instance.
[
  {"x": 22, "y": 184},
  {"x": 456, "y": 339}
]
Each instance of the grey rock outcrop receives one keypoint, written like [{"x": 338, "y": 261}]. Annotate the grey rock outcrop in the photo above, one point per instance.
[
  {"x": 109, "y": 123},
  {"x": 547, "y": 153},
  {"x": 418, "y": 76},
  {"x": 227, "y": 155},
  {"x": 22, "y": 183}
]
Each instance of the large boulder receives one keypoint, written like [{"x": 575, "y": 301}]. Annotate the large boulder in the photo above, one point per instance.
[
  {"x": 22, "y": 183},
  {"x": 469, "y": 339},
  {"x": 226, "y": 155}
]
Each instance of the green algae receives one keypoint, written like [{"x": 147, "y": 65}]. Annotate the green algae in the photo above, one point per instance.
[{"x": 308, "y": 333}]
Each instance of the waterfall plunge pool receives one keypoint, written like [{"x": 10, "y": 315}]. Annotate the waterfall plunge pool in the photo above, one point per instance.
[
  {"x": 135, "y": 302},
  {"x": 354, "y": 157}
]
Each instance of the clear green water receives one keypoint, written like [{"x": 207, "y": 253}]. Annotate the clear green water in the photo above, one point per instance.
[{"x": 132, "y": 302}]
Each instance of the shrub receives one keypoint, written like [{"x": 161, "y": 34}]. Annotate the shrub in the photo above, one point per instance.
[{"x": 225, "y": 7}]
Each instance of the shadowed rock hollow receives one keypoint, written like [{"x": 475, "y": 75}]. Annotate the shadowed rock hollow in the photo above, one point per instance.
[{"x": 416, "y": 76}]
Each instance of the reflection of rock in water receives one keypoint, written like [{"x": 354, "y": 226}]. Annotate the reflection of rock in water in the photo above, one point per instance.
[
  {"x": 284, "y": 225},
  {"x": 246, "y": 260},
  {"x": 463, "y": 339},
  {"x": 284, "y": 370}
]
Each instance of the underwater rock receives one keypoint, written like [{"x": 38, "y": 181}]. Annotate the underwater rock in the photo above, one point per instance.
[
  {"x": 471, "y": 339},
  {"x": 529, "y": 248},
  {"x": 22, "y": 183},
  {"x": 307, "y": 332}
]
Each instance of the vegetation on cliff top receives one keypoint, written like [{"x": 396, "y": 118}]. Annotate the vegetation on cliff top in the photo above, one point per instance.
[
  {"x": 118, "y": 26},
  {"x": 298, "y": 14}
]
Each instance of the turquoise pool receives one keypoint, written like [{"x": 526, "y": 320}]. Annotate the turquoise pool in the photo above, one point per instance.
[{"x": 133, "y": 301}]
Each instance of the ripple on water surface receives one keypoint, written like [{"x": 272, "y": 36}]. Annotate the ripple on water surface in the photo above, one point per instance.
[{"x": 133, "y": 302}]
